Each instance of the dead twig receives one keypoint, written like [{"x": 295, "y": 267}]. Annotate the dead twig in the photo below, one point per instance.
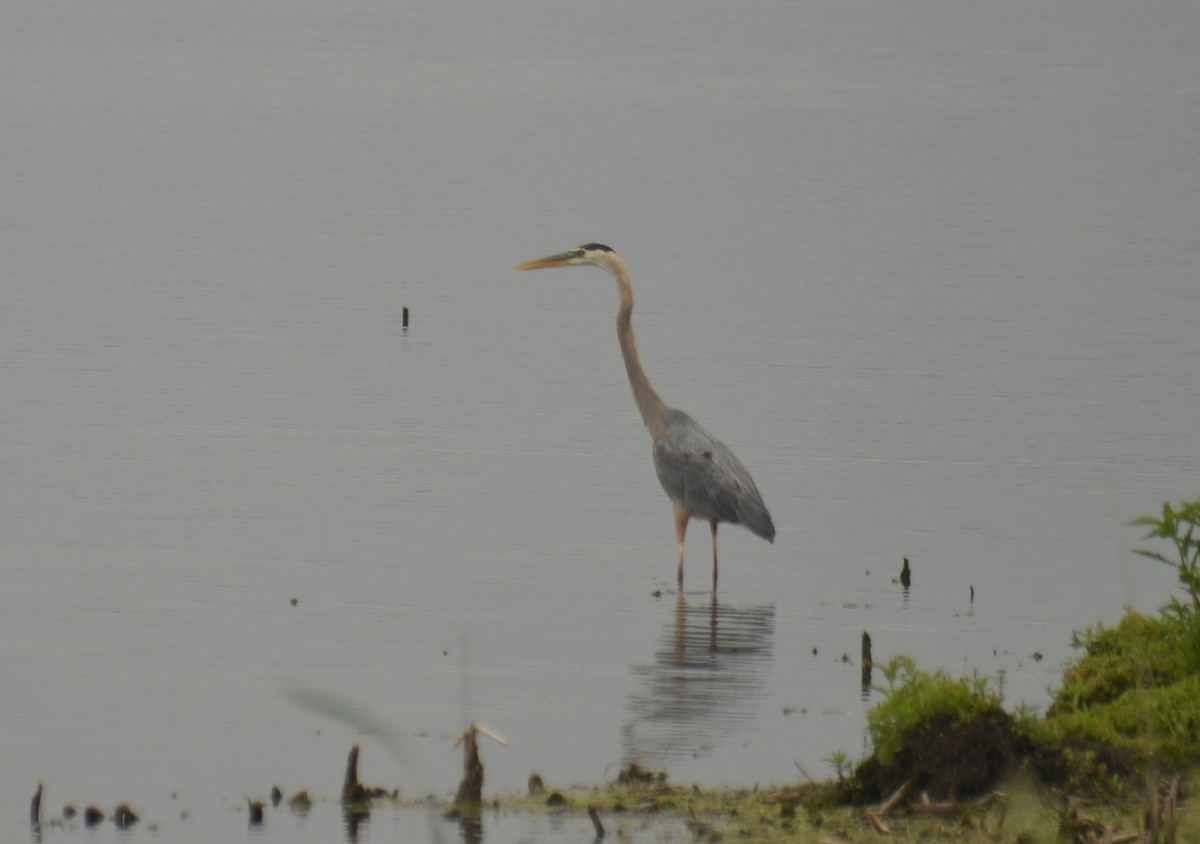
[
  {"x": 876, "y": 815},
  {"x": 927, "y": 807},
  {"x": 474, "y": 727},
  {"x": 891, "y": 802},
  {"x": 878, "y": 823},
  {"x": 951, "y": 808}
]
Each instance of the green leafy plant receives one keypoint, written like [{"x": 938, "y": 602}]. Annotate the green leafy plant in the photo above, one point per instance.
[
  {"x": 840, "y": 762},
  {"x": 1181, "y": 527},
  {"x": 1024, "y": 712},
  {"x": 1140, "y": 651},
  {"x": 912, "y": 696}
]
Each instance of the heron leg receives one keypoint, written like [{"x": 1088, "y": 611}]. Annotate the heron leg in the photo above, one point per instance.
[
  {"x": 713, "y": 524},
  {"x": 681, "y": 520}
]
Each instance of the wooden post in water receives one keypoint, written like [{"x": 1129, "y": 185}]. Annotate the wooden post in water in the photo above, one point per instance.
[
  {"x": 352, "y": 788},
  {"x": 404, "y": 318},
  {"x": 470, "y": 790},
  {"x": 35, "y": 809},
  {"x": 599, "y": 827},
  {"x": 867, "y": 663}
]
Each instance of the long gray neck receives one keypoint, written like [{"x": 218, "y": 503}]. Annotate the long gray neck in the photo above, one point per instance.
[{"x": 652, "y": 408}]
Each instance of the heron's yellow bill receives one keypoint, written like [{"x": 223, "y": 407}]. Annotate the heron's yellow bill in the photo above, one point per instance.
[{"x": 548, "y": 261}]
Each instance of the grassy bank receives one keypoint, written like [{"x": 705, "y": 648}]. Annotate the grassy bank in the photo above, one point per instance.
[{"x": 1111, "y": 755}]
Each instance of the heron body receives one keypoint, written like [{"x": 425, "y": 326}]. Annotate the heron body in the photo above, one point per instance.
[{"x": 701, "y": 476}]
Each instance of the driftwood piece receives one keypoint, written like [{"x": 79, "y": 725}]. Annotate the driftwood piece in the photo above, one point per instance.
[
  {"x": 876, "y": 815},
  {"x": 950, "y": 808},
  {"x": 896, "y": 797},
  {"x": 1158, "y": 826},
  {"x": 926, "y": 806},
  {"x": 1109, "y": 838}
]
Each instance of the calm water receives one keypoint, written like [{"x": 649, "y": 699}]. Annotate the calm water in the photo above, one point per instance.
[{"x": 929, "y": 268}]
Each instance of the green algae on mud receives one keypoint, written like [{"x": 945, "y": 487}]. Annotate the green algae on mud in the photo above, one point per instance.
[{"x": 1019, "y": 811}]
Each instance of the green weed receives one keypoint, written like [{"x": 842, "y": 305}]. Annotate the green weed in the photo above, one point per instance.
[{"x": 1182, "y": 528}]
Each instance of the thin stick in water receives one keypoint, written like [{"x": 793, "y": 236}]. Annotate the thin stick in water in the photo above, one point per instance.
[{"x": 594, "y": 815}]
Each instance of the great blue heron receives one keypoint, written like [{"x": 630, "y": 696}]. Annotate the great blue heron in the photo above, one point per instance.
[{"x": 700, "y": 475}]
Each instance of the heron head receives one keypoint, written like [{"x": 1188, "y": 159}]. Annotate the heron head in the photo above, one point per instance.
[{"x": 596, "y": 254}]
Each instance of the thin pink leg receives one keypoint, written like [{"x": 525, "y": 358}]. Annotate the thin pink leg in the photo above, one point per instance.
[{"x": 681, "y": 520}]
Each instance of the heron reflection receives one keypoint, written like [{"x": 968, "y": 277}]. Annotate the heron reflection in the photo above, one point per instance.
[{"x": 708, "y": 674}]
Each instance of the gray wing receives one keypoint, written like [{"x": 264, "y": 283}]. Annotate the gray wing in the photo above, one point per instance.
[{"x": 698, "y": 472}]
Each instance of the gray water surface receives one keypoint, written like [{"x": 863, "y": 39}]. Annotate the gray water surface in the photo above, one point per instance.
[{"x": 928, "y": 268}]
